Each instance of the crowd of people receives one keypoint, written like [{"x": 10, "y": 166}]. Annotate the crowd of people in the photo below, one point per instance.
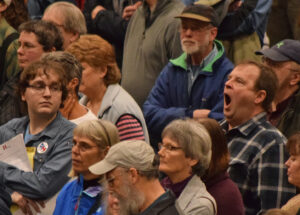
[{"x": 153, "y": 107}]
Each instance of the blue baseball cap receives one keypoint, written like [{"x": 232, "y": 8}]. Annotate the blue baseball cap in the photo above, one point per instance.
[{"x": 285, "y": 50}]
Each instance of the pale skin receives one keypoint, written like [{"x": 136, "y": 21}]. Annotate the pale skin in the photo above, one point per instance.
[
  {"x": 190, "y": 30},
  {"x": 25, "y": 203},
  {"x": 93, "y": 86}
]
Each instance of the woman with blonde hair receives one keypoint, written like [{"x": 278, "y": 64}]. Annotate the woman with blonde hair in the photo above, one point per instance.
[
  {"x": 102, "y": 92},
  {"x": 91, "y": 141}
]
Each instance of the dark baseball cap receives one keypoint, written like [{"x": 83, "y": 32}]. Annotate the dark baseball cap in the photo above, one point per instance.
[
  {"x": 285, "y": 50},
  {"x": 200, "y": 12}
]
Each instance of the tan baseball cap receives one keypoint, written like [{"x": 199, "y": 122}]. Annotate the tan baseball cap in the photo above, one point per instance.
[{"x": 133, "y": 153}]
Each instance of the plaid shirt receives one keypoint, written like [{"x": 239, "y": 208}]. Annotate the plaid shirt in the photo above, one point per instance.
[{"x": 257, "y": 164}]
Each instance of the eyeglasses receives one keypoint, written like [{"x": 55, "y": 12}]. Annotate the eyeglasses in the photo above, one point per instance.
[
  {"x": 40, "y": 88},
  {"x": 82, "y": 147},
  {"x": 169, "y": 148},
  {"x": 195, "y": 28}
]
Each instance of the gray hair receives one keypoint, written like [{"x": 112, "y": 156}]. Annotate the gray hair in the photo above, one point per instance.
[
  {"x": 101, "y": 132},
  {"x": 74, "y": 20},
  {"x": 71, "y": 65},
  {"x": 194, "y": 140}
]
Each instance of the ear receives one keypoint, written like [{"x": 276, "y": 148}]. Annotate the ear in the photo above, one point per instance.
[
  {"x": 106, "y": 150},
  {"x": 3, "y": 7},
  {"x": 103, "y": 71},
  {"x": 260, "y": 96},
  {"x": 133, "y": 175},
  {"x": 23, "y": 96},
  {"x": 73, "y": 84},
  {"x": 295, "y": 79},
  {"x": 193, "y": 162},
  {"x": 213, "y": 33},
  {"x": 74, "y": 37}
]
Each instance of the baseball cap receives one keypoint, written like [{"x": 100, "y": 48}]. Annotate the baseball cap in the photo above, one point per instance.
[
  {"x": 132, "y": 153},
  {"x": 200, "y": 12},
  {"x": 285, "y": 50}
]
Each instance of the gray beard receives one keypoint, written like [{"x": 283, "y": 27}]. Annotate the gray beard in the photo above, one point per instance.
[{"x": 131, "y": 202}]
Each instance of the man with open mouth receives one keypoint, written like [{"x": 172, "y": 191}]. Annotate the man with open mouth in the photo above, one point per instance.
[{"x": 256, "y": 147}]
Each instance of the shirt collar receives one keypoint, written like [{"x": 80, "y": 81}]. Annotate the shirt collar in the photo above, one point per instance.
[{"x": 248, "y": 126}]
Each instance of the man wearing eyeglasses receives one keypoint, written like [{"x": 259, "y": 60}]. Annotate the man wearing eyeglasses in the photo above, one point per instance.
[
  {"x": 191, "y": 85},
  {"x": 68, "y": 19},
  {"x": 284, "y": 59},
  {"x": 47, "y": 137},
  {"x": 132, "y": 175}
]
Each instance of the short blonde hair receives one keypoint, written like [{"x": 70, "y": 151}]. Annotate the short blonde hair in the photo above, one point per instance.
[
  {"x": 101, "y": 132},
  {"x": 97, "y": 53}
]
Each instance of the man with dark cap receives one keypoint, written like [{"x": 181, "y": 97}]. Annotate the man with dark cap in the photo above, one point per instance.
[
  {"x": 284, "y": 59},
  {"x": 132, "y": 175},
  {"x": 191, "y": 85}
]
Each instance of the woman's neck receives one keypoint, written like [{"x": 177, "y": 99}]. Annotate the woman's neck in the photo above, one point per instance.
[{"x": 95, "y": 99}]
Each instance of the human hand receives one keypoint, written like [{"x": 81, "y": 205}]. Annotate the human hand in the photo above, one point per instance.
[
  {"x": 96, "y": 10},
  {"x": 200, "y": 113},
  {"x": 25, "y": 203},
  {"x": 129, "y": 10},
  {"x": 235, "y": 5}
]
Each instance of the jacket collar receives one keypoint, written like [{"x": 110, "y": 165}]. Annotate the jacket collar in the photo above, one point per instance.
[
  {"x": 111, "y": 93},
  {"x": 247, "y": 127},
  {"x": 50, "y": 131},
  {"x": 194, "y": 186},
  {"x": 181, "y": 61}
]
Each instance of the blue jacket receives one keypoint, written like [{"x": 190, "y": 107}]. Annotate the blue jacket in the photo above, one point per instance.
[
  {"x": 51, "y": 165},
  {"x": 68, "y": 198},
  {"x": 169, "y": 99}
]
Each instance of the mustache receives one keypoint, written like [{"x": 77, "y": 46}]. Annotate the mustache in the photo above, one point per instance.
[{"x": 188, "y": 40}]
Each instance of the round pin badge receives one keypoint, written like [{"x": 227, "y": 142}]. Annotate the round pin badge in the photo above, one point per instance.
[{"x": 42, "y": 147}]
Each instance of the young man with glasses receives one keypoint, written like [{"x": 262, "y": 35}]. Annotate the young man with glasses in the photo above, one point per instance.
[
  {"x": 191, "y": 85},
  {"x": 47, "y": 137}
]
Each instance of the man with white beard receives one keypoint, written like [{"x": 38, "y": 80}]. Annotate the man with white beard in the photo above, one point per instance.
[
  {"x": 191, "y": 85},
  {"x": 132, "y": 175}
]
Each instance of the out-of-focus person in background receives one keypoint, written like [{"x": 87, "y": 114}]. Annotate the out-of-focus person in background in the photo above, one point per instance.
[
  {"x": 293, "y": 172},
  {"x": 100, "y": 85},
  {"x": 216, "y": 178},
  {"x": 71, "y": 110},
  {"x": 68, "y": 19}
]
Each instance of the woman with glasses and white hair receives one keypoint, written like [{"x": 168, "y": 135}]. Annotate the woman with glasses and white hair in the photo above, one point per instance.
[
  {"x": 91, "y": 141},
  {"x": 185, "y": 154}
]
